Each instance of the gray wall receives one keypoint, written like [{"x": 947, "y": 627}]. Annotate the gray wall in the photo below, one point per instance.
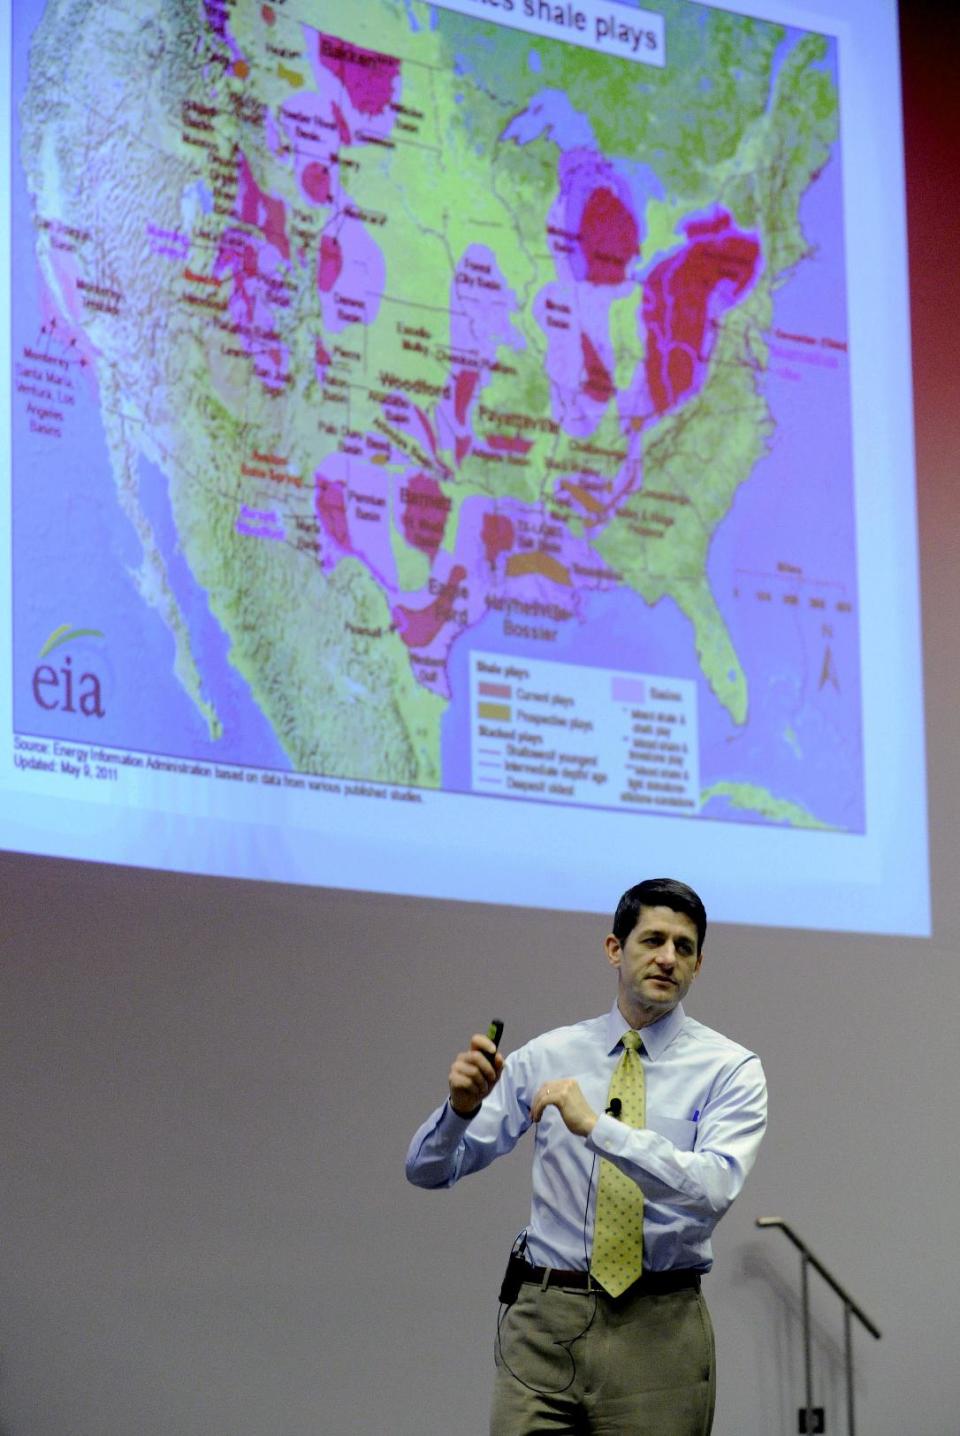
[{"x": 206, "y": 1090}]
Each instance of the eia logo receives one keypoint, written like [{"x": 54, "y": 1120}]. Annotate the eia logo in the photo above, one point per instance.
[{"x": 60, "y": 689}]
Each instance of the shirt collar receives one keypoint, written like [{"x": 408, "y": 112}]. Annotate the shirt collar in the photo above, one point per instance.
[{"x": 656, "y": 1038}]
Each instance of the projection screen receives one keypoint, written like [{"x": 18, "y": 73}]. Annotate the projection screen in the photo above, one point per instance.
[{"x": 464, "y": 450}]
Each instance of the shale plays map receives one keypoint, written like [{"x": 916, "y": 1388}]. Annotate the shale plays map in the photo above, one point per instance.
[{"x": 402, "y": 397}]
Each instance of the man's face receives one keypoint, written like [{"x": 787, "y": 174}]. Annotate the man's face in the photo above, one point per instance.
[{"x": 656, "y": 964}]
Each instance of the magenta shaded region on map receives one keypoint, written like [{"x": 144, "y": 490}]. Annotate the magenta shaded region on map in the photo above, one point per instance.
[
  {"x": 257, "y": 291},
  {"x": 261, "y": 210},
  {"x": 427, "y": 428},
  {"x": 509, "y": 444},
  {"x": 418, "y": 627},
  {"x": 497, "y": 533},
  {"x": 594, "y": 214},
  {"x": 367, "y": 76},
  {"x": 329, "y": 263},
  {"x": 332, "y": 510},
  {"x": 316, "y": 182},
  {"x": 683, "y": 294},
  {"x": 464, "y": 385},
  {"x": 598, "y": 386},
  {"x": 609, "y": 238},
  {"x": 425, "y": 509}
]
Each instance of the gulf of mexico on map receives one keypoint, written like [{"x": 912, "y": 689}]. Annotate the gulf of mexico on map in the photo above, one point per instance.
[{"x": 358, "y": 340}]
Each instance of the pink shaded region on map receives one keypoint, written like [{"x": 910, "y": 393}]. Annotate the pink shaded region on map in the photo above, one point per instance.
[
  {"x": 316, "y": 182},
  {"x": 343, "y": 129},
  {"x": 424, "y": 514},
  {"x": 321, "y": 358},
  {"x": 332, "y": 510},
  {"x": 253, "y": 301},
  {"x": 509, "y": 443},
  {"x": 599, "y": 386},
  {"x": 594, "y": 222},
  {"x": 497, "y": 533},
  {"x": 427, "y": 428},
  {"x": 260, "y": 210},
  {"x": 329, "y": 264},
  {"x": 683, "y": 294},
  {"x": 463, "y": 387},
  {"x": 609, "y": 237},
  {"x": 418, "y": 627},
  {"x": 237, "y": 255},
  {"x": 353, "y": 275},
  {"x": 367, "y": 76}
]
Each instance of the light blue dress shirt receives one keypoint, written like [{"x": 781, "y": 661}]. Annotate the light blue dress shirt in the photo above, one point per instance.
[{"x": 706, "y": 1104}]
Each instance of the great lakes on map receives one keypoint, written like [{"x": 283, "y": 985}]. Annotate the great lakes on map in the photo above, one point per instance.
[{"x": 410, "y": 335}]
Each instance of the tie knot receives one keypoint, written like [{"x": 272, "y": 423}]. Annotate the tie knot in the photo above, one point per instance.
[{"x": 631, "y": 1041}]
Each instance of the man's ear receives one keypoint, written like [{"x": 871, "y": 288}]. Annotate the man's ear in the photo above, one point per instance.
[
  {"x": 613, "y": 949},
  {"x": 699, "y": 961}
]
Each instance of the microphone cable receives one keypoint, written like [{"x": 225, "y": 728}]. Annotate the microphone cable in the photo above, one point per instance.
[{"x": 517, "y": 1250}]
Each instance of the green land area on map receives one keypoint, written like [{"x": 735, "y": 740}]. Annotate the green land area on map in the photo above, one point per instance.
[{"x": 420, "y": 317}]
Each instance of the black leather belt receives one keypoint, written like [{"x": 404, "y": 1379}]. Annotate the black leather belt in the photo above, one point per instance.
[{"x": 652, "y": 1283}]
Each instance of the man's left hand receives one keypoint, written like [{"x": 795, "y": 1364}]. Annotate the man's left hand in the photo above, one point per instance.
[{"x": 564, "y": 1094}]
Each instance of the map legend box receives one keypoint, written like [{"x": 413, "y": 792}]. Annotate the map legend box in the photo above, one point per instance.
[{"x": 591, "y": 736}]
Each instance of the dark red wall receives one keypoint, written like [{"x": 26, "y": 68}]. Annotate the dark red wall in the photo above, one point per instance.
[{"x": 930, "y": 51}]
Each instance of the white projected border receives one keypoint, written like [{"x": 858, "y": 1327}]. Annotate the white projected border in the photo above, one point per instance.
[
  {"x": 609, "y": 29},
  {"x": 494, "y": 850}
]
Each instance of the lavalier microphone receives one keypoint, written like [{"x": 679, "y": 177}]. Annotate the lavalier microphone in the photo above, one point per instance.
[{"x": 615, "y": 1106}]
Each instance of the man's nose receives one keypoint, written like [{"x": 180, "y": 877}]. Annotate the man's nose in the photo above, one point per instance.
[{"x": 667, "y": 956}]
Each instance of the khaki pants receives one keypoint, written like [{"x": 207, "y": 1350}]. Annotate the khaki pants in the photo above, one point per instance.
[{"x": 642, "y": 1365}]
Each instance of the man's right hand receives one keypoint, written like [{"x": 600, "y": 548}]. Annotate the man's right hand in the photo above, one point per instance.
[{"x": 474, "y": 1074}]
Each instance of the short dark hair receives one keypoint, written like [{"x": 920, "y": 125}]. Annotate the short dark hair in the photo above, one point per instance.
[{"x": 659, "y": 892}]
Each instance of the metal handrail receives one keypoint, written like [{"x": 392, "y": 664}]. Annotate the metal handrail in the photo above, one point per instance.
[
  {"x": 850, "y": 1308},
  {"x": 819, "y": 1266}
]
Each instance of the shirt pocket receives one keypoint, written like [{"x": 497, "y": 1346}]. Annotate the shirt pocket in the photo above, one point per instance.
[{"x": 678, "y": 1130}]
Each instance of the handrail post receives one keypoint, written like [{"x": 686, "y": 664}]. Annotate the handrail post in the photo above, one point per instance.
[
  {"x": 807, "y": 1348},
  {"x": 850, "y": 1309},
  {"x": 848, "y": 1353}
]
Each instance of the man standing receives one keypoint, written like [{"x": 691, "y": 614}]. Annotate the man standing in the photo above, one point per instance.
[{"x": 647, "y": 1123}]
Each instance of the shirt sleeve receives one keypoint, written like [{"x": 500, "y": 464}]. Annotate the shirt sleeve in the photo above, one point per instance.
[
  {"x": 447, "y": 1147},
  {"x": 707, "y": 1178}
]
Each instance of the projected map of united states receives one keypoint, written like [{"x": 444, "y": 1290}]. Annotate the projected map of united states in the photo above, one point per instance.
[{"x": 413, "y": 337}]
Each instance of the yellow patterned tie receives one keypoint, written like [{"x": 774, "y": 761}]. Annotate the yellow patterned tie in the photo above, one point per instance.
[{"x": 618, "y": 1229}]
